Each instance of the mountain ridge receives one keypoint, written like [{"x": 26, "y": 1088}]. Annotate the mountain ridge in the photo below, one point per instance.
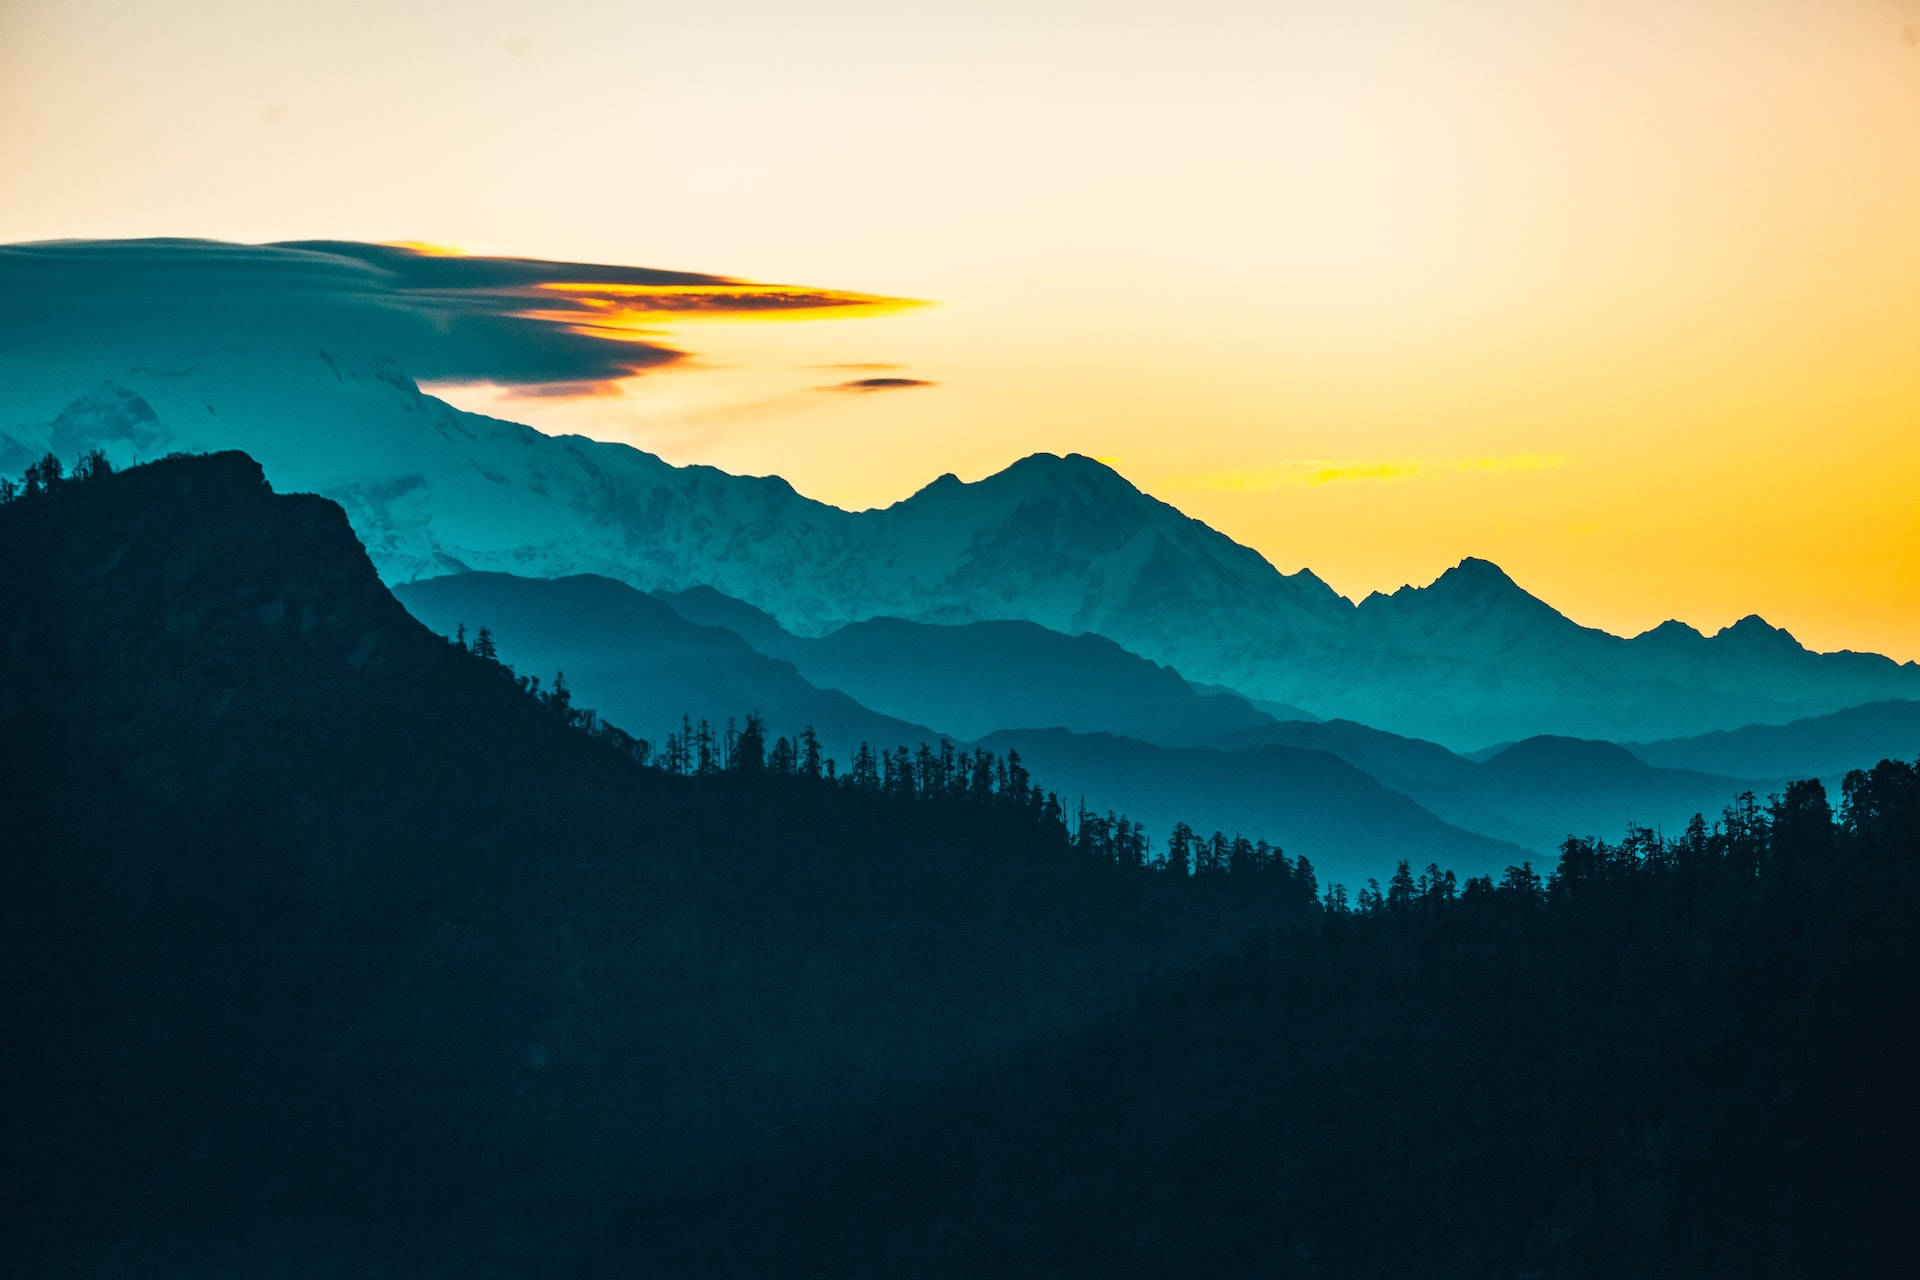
[{"x": 1064, "y": 542}]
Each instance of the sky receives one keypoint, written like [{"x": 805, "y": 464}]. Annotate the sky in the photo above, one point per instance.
[{"x": 1624, "y": 297}]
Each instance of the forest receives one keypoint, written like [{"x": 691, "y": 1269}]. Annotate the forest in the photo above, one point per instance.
[{"x": 343, "y": 949}]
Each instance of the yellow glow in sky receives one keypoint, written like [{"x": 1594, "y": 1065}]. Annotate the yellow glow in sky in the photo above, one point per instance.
[{"x": 1623, "y": 296}]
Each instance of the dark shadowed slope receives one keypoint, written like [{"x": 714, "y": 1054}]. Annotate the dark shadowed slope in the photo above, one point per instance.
[
  {"x": 1689, "y": 1060},
  {"x": 622, "y": 657},
  {"x": 639, "y": 667},
  {"x": 639, "y": 663},
  {"x": 1569, "y": 786},
  {"x": 337, "y": 953},
  {"x": 1817, "y": 747},
  {"x": 1534, "y": 792},
  {"x": 1309, "y": 802},
  {"x": 970, "y": 679},
  {"x": 977, "y": 677}
]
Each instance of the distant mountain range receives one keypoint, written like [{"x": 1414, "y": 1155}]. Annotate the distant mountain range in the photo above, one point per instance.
[
  {"x": 1093, "y": 721},
  {"x": 640, "y": 664},
  {"x": 1819, "y": 747},
  {"x": 1065, "y": 543}
]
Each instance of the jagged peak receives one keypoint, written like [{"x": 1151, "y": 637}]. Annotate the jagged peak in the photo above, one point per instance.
[
  {"x": 1071, "y": 466},
  {"x": 1671, "y": 630},
  {"x": 1475, "y": 574},
  {"x": 1756, "y": 630},
  {"x": 1471, "y": 578},
  {"x": 1032, "y": 475}
]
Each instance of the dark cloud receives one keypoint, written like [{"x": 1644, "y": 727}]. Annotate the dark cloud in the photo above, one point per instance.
[
  {"x": 878, "y": 384},
  {"x": 543, "y": 327}
]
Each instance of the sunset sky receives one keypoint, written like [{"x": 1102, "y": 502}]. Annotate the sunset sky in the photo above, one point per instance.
[{"x": 1624, "y": 296}]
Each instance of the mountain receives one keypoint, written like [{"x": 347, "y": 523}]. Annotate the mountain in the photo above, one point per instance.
[
  {"x": 334, "y": 951},
  {"x": 639, "y": 663},
  {"x": 1063, "y": 542},
  {"x": 1311, "y": 803},
  {"x": 1535, "y": 792},
  {"x": 1451, "y": 787},
  {"x": 636, "y": 661},
  {"x": 1818, "y": 747},
  {"x": 1473, "y": 658},
  {"x": 1570, "y": 786},
  {"x": 973, "y": 678}
]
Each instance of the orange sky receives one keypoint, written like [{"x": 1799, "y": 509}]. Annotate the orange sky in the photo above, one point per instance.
[{"x": 1625, "y": 297}]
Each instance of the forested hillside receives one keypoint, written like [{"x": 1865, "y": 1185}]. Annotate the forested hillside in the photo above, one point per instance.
[
  {"x": 340, "y": 948},
  {"x": 1685, "y": 1058},
  {"x": 335, "y": 940}
]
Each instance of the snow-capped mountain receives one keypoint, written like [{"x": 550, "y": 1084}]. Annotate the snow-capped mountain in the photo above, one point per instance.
[{"x": 1064, "y": 542}]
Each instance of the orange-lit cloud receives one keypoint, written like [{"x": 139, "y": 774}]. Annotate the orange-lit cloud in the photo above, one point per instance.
[{"x": 534, "y": 327}]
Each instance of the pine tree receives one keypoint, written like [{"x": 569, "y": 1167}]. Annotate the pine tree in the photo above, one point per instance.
[
  {"x": 750, "y": 748},
  {"x": 810, "y": 752}
]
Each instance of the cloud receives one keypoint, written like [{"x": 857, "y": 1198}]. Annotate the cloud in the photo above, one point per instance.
[
  {"x": 537, "y": 326},
  {"x": 1321, "y": 471},
  {"x": 859, "y": 385}
]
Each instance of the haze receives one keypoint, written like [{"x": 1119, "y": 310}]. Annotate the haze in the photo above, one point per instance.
[{"x": 1624, "y": 297}]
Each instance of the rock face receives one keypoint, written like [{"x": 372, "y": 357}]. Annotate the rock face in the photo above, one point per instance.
[{"x": 1064, "y": 542}]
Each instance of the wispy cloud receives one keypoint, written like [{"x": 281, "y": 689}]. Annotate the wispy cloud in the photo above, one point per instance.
[
  {"x": 1308, "y": 472},
  {"x": 862, "y": 385},
  {"x": 539, "y": 327}
]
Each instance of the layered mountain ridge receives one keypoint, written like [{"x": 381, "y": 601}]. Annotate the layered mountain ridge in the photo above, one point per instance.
[{"x": 1063, "y": 542}]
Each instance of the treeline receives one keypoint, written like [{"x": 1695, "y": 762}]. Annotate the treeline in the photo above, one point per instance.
[
  {"x": 1666, "y": 1057},
  {"x": 43, "y": 477},
  {"x": 942, "y": 773}
]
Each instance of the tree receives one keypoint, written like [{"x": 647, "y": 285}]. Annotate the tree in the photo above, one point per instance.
[
  {"x": 483, "y": 646},
  {"x": 705, "y": 759},
  {"x": 1521, "y": 881},
  {"x": 1400, "y": 889},
  {"x": 1179, "y": 858},
  {"x": 810, "y": 752},
  {"x": 1306, "y": 885},
  {"x": 750, "y": 747},
  {"x": 93, "y": 465},
  {"x": 864, "y": 774},
  {"x": 43, "y": 476}
]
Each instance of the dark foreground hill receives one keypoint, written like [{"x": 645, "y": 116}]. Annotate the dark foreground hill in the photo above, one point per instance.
[
  {"x": 333, "y": 950},
  {"x": 1683, "y": 1058}
]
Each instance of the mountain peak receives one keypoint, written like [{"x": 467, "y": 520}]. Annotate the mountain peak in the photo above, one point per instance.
[
  {"x": 1478, "y": 576},
  {"x": 1070, "y": 466},
  {"x": 1672, "y": 631},
  {"x": 1755, "y": 632}
]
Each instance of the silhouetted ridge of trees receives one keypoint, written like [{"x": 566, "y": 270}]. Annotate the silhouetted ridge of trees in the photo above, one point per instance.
[
  {"x": 931, "y": 773},
  {"x": 1672, "y": 1057},
  {"x": 338, "y": 948},
  {"x": 331, "y": 935}
]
